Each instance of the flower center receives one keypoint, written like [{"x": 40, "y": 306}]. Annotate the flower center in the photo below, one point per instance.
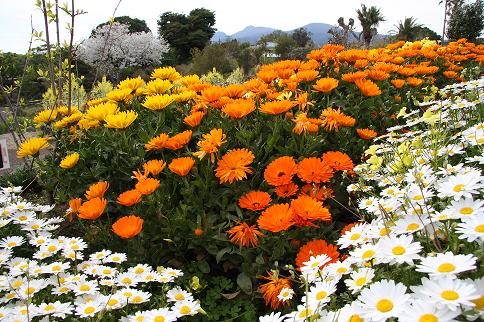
[
  {"x": 361, "y": 281},
  {"x": 355, "y": 318},
  {"x": 384, "y": 305},
  {"x": 89, "y": 310},
  {"x": 137, "y": 299},
  {"x": 368, "y": 254},
  {"x": 458, "y": 188},
  {"x": 112, "y": 302},
  {"x": 449, "y": 295},
  {"x": 85, "y": 288},
  {"x": 355, "y": 236},
  {"x": 479, "y": 229},
  {"x": 49, "y": 307},
  {"x": 479, "y": 303},
  {"x": 179, "y": 297},
  {"x": 398, "y": 250},
  {"x": 159, "y": 319},
  {"x": 428, "y": 318},
  {"x": 412, "y": 226},
  {"x": 185, "y": 309},
  {"x": 341, "y": 270},
  {"x": 466, "y": 210},
  {"x": 446, "y": 268},
  {"x": 321, "y": 295}
]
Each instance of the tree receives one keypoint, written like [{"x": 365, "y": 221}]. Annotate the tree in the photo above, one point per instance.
[
  {"x": 213, "y": 56},
  {"x": 184, "y": 33},
  {"x": 369, "y": 19},
  {"x": 301, "y": 37},
  {"x": 113, "y": 48},
  {"x": 341, "y": 35},
  {"x": 466, "y": 21},
  {"x": 408, "y": 29},
  {"x": 134, "y": 24},
  {"x": 426, "y": 32},
  {"x": 449, "y": 6}
]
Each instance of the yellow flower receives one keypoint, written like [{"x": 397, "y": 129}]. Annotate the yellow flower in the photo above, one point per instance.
[
  {"x": 169, "y": 73},
  {"x": 68, "y": 120},
  {"x": 185, "y": 96},
  {"x": 45, "y": 116},
  {"x": 99, "y": 112},
  {"x": 119, "y": 95},
  {"x": 120, "y": 120},
  {"x": 32, "y": 146},
  {"x": 96, "y": 101},
  {"x": 86, "y": 124},
  {"x": 69, "y": 161},
  {"x": 189, "y": 80},
  {"x": 131, "y": 83},
  {"x": 158, "y": 86},
  {"x": 158, "y": 102},
  {"x": 64, "y": 110}
]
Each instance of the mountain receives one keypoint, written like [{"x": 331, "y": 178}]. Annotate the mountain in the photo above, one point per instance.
[{"x": 251, "y": 34}]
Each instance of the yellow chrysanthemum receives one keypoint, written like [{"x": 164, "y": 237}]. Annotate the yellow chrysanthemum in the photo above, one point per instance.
[
  {"x": 120, "y": 120},
  {"x": 86, "y": 124},
  {"x": 64, "y": 110},
  {"x": 131, "y": 83},
  {"x": 45, "y": 116},
  {"x": 32, "y": 146},
  {"x": 157, "y": 86},
  {"x": 189, "y": 80},
  {"x": 158, "y": 102},
  {"x": 184, "y": 96},
  {"x": 68, "y": 120},
  {"x": 96, "y": 101},
  {"x": 168, "y": 73},
  {"x": 69, "y": 161},
  {"x": 119, "y": 95},
  {"x": 99, "y": 112}
]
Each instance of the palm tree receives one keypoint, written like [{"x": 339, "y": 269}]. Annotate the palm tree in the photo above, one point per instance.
[
  {"x": 408, "y": 29},
  {"x": 369, "y": 19}
]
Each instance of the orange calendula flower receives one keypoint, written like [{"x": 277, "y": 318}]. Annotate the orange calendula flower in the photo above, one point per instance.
[
  {"x": 307, "y": 75},
  {"x": 157, "y": 143},
  {"x": 303, "y": 102},
  {"x": 266, "y": 76},
  {"x": 179, "y": 140},
  {"x": 239, "y": 108},
  {"x": 271, "y": 290},
  {"x": 92, "y": 209},
  {"x": 194, "y": 119},
  {"x": 128, "y": 226},
  {"x": 309, "y": 209},
  {"x": 338, "y": 161},
  {"x": 147, "y": 186},
  {"x": 277, "y": 107},
  {"x": 286, "y": 190},
  {"x": 244, "y": 235},
  {"x": 315, "y": 248},
  {"x": 366, "y": 134},
  {"x": 234, "y": 165},
  {"x": 377, "y": 74},
  {"x": 74, "y": 205},
  {"x": 450, "y": 74},
  {"x": 333, "y": 119},
  {"x": 154, "y": 167},
  {"x": 397, "y": 83},
  {"x": 305, "y": 124},
  {"x": 276, "y": 218},
  {"x": 314, "y": 170},
  {"x": 97, "y": 190},
  {"x": 181, "y": 166},
  {"x": 210, "y": 144},
  {"x": 129, "y": 198},
  {"x": 212, "y": 94},
  {"x": 255, "y": 200},
  {"x": 32, "y": 146},
  {"x": 315, "y": 191},
  {"x": 280, "y": 171},
  {"x": 368, "y": 88},
  {"x": 235, "y": 90},
  {"x": 326, "y": 85},
  {"x": 414, "y": 81},
  {"x": 353, "y": 77}
]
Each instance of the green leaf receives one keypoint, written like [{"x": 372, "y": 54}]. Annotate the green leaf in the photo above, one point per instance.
[
  {"x": 245, "y": 283},
  {"x": 221, "y": 253},
  {"x": 204, "y": 267}
]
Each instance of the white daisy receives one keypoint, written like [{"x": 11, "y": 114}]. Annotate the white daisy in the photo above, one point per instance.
[
  {"x": 314, "y": 263},
  {"x": 140, "y": 269},
  {"x": 117, "y": 258},
  {"x": 100, "y": 256},
  {"x": 127, "y": 279},
  {"x": 446, "y": 264},
  {"x": 319, "y": 294},
  {"x": 466, "y": 207},
  {"x": 363, "y": 253},
  {"x": 359, "y": 279},
  {"x": 273, "y": 317},
  {"x": 410, "y": 224},
  {"x": 83, "y": 287},
  {"x": 302, "y": 314},
  {"x": 114, "y": 301},
  {"x": 162, "y": 314},
  {"x": 460, "y": 186},
  {"x": 285, "y": 294},
  {"x": 56, "y": 309},
  {"x": 355, "y": 236},
  {"x": 349, "y": 313},
  {"x": 398, "y": 250},
  {"x": 11, "y": 242},
  {"x": 186, "y": 308},
  {"x": 472, "y": 228},
  {"x": 85, "y": 310},
  {"x": 337, "y": 268},
  {"x": 177, "y": 294},
  {"x": 139, "y": 297}
]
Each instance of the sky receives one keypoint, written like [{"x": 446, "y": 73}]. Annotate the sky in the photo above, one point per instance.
[{"x": 231, "y": 16}]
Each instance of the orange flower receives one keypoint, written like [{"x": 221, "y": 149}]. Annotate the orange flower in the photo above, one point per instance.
[
  {"x": 398, "y": 83},
  {"x": 194, "y": 119},
  {"x": 307, "y": 75},
  {"x": 198, "y": 231},
  {"x": 154, "y": 167},
  {"x": 317, "y": 192},
  {"x": 244, "y": 235},
  {"x": 271, "y": 290},
  {"x": 97, "y": 190},
  {"x": 333, "y": 119},
  {"x": 414, "y": 81},
  {"x": 157, "y": 143},
  {"x": 234, "y": 165},
  {"x": 348, "y": 228},
  {"x": 129, "y": 198},
  {"x": 235, "y": 90},
  {"x": 280, "y": 171},
  {"x": 450, "y": 74},
  {"x": 303, "y": 102},
  {"x": 92, "y": 209},
  {"x": 179, "y": 140},
  {"x": 239, "y": 108},
  {"x": 266, "y": 76},
  {"x": 315, "y": 248},
  {"x": 346, "y": 120},
  {"x": 128, "y": 226},
  {"x": 326, "y": 84},
  {"x": 254, "y": 200},
  {"x": 309, "y": 209},
  {"x": 337, "y": 161},
  {"x": 276, "y": 218},
  {"x": 377, "y": 74},
  {"x": 368, "y": 88},
  {"x": 286, "y": 190},
  {"x": 352, "y": 77},
  {"x": 366, "y": 134},
  {"x": 210, "y": 144},
  {"x": 277, "y": 107},
  {"x": 212, "y": 94},
  {"x": 361, "y": 63},
  {"x": 305, "y": 124},
  {"x": 314, "y": 170},
  {"x": 147, "y": 186},
  {"x": 181, "y": 166},
  {"x": 405, "y": 71},
  {"x": 74, "y": 205}
]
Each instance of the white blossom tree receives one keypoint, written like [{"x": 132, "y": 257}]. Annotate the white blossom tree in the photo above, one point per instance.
[{"x": 112, "y": 48}]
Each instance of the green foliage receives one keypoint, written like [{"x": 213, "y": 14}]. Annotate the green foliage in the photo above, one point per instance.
[
  {"x": 100, "y": 89},
  {"x": 213, "y": 56},
  {"x": 184, "y": 33},
  {"x": 134, "y": 24},
  {"x": 369, "y": 19},
  {"x": 301, "y": 37},
  {"x": 78, "y": 98},
  {"x": 466, "y": 21},
  {"x": 408, "y": 29}
]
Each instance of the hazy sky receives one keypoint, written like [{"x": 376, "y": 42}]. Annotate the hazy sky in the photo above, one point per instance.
[{"x": 231, "y": 16}]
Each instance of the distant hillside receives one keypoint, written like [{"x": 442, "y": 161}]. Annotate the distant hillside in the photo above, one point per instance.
[{"x": 251, "y": 34}]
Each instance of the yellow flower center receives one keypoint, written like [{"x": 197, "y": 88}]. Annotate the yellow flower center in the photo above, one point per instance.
[
  {"x": 384, "y": 305},
  {"x": 466, "y": 211},
  {"x": 89, "y": 310},
  {"x": 35, "y": 226},
  {"x": 413, "y": 226},
  {"x": 52, "y": 248},
  {"x": 185, "y": 309},
  {"x": 321, "y": 295},
  {"x": 159, "y": 319},
  {"x": 384, "y": 231},
  {"x": 307, "y": 312},
  {"x": 12, "y": 244},
  {"x": 137, "y": 299},
  {"x": 418, "y": 197},
  {"x": 85, "y": 288},
  {"x": 112, "y": 302},
  {"x": 107, "y": 271},
  {"x": 179, "y": 297},
  {"x": 479, "y": 229},
  {"x": 368, "y": 254},
  {"x": 115, "y": 259},
  {"x": 40, "y": 241},
  {"x": 22, "y": 218},
  {"x": 355, "y": 236},
  {"x": 479, "y": 303},
  {"x": 63, "y": 289},
  {"x": 449, "y": 295},
  {"x": 361, "y": 281},
  {"x": 17, "y": 284},
  {"x": 458, "y": 188},
  {"x": 49, "y": 307},
  {"x": 356, "y": 318},
  {"x": 398, "y": 250},
  {"x": 127, "y": 294},
  {"x": 126, "y": 280},
  {"x": 428, "y": 318},
  {"x": 30, "y": 290},
  {"x": 341, "y": 270},
  {"x": 446, "y": 268},
  {"x": 139, "y": 270}
]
